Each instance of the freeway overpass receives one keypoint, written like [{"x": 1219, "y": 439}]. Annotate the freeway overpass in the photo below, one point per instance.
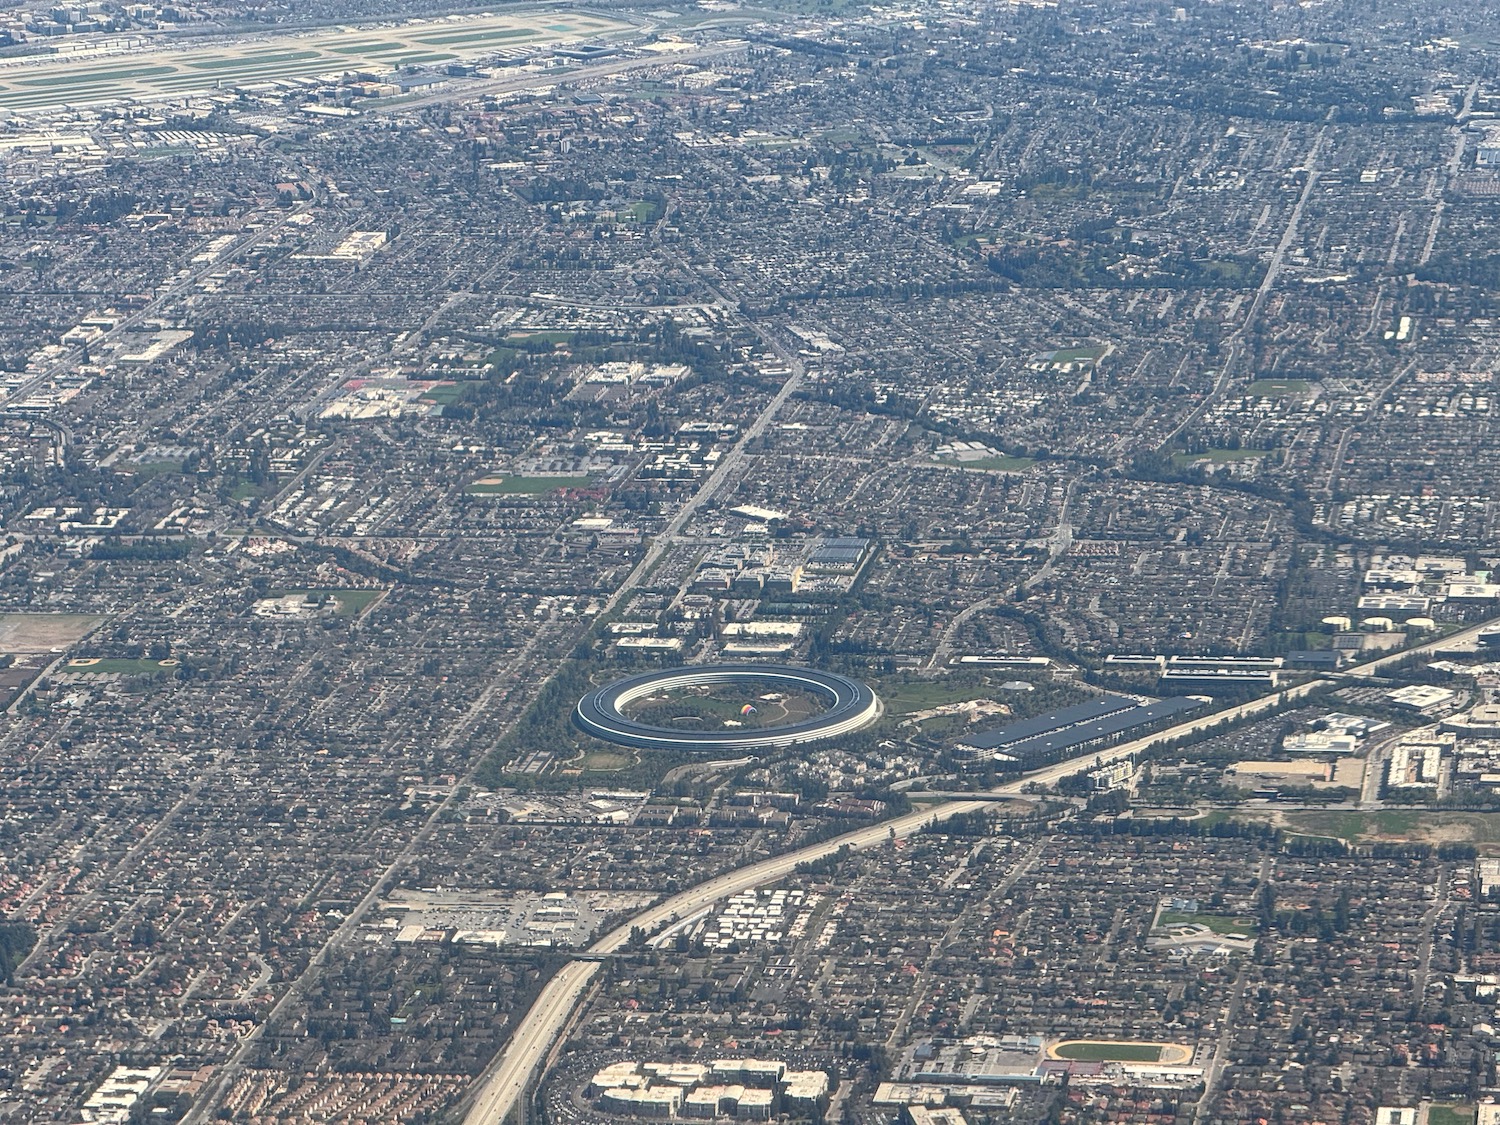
[{"x": 503, "y": 1085}]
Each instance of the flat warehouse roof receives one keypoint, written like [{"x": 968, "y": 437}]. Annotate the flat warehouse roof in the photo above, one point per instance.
[
  {"x": 1107, "y": 727},
  {"x": 1093, "y": 709}
]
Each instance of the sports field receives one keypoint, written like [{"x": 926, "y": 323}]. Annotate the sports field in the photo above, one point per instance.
[
  {"x": 346, "y": 602},
  {"x": 1112, "y": 1050},
  {"x": 119, "y": 666},
  {"x": 1222, "y": 924},
  {"x": 501, "y": 485},
  {"x": 1277, "y": 388},
  {"x": 1002, "y": 464},
  {"x": 162, "y": 70}
]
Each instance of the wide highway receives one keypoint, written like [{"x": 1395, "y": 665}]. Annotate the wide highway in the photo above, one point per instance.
[
  {"x": 1463, "y": 636},
  {"x": 501, "y": 1087}
]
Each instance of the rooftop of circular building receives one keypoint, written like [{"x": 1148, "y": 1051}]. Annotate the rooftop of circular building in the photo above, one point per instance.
[{"x": 850, "y": 706}]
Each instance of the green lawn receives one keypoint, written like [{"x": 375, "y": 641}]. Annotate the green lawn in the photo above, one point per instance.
[
  {"x": 1088, "y": 1050},
  {"x": 1347, "y": 826},
  {"x": 978, "y": 237},
  {"x": 382, "y": 49},
  {"x": 641, "y": 211},
  {"x": 1004, "y": 464},
  {"x": 1219, "y": 923},
  {"x": 606, "y": 761},
  {"x": 772, "y": 142},
  {"x": 1057, "y": 191},
  {"x": 523, "y": 486},
  {"x": 117, "y": 666},
  {"x": 904, "y": 698},
  {"x": 1394, "y": 823},
  {"x": 524, "y": 338},
  {"x": 1352, "y": 826},
  {"x": 1450, "y": 1115},
  {"x": 145, "y": 470},
  {"x": 351, "y": 603},
  {"x": 1416, "y": 825},
  {"x": 1277, "y": 388},
  {"x": 444, "y": 394}
]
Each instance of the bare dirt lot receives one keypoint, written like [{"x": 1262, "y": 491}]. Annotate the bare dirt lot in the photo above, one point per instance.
[{"x": 44, "y": 632}]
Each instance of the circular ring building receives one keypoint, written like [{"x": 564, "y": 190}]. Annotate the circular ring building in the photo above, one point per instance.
[{"x": 851, "y": 706}]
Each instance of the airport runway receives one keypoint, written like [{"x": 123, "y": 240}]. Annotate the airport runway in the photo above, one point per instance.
[{"x": 166, "y": 66}]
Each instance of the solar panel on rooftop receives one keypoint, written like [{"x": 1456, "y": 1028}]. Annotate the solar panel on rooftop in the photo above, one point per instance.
[
  {"x": 1109, "y": 727},
  {"x": 997, "y": 738},
  {"x": 1078, "y": 726}
]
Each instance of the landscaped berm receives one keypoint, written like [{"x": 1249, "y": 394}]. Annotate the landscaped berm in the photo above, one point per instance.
[{"x": 1123, "y": 1051}]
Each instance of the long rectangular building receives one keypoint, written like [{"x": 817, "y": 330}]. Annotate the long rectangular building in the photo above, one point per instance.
[
  {"x": 1093, "y": 710},
  {"x": 1095, "y": 725}
]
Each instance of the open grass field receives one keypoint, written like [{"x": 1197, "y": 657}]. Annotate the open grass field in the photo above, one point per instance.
[
  {"x": 1450, "y": 1115},
  {"x": 1277, "y": 388},
  {"x": 96, "y": 77},
  {"x": 1076, "y": 355},
  {"x": 1003, "y": 464},
  {"x": 919, "y": 695},
  {"x": 148, "y": 470},
  {"x": 1420, "y": 826},
  {"x": 1219, "y": 923},
  {"x": 444, "y": 394},
  {"x": 523, "y": 486},
  {"x": 43, "y": 632},
  {"x": 1353, "y": 826},
  {"x": 118, "y": 666},
  {"x": 169, "y": 66},
  {"x": 351, "y": 603},
  {"x": 522, "y": 339},
  {"x": 642, "y": 211},
  {"x": 750, "y": 704},
  {"x": 903, "y": 696},
  {"x": 606, "y": 761}
]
